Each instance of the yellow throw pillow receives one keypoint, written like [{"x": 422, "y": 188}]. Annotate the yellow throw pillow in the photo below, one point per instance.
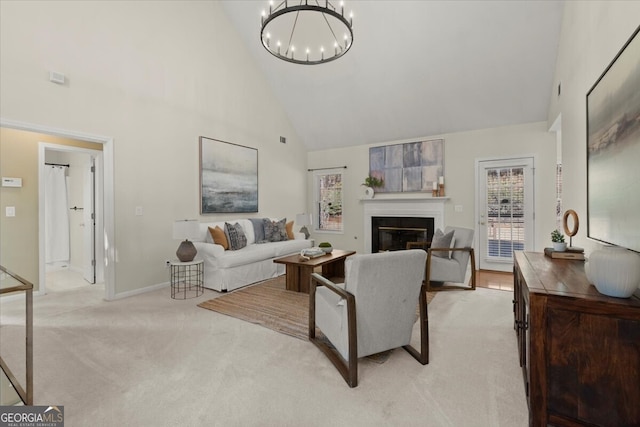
[
  {"x": 289, "y": 227},
  {"x": 219, "y": 238}
]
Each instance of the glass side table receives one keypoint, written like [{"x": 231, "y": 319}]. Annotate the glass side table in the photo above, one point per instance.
[{"x": 187, "y": 279}]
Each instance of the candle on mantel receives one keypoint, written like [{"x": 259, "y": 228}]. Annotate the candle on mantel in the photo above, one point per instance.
[
  {"x": 435, "y": 185},
  {"x": 441, "y": 180}
]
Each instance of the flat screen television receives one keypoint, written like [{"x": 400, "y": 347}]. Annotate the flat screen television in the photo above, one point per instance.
[{"x": 613, "y": 151}]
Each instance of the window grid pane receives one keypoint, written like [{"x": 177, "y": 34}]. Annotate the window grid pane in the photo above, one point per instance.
[
  {"x": 505, "y": 206},
  {"x": 330, "y": 202}
]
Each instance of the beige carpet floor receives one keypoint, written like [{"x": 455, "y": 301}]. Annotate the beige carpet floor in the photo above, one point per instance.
[{"x": 149, "y": 360}]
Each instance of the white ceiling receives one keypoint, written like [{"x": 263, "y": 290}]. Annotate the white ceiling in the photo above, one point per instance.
[{"x": 417, "y": 68}]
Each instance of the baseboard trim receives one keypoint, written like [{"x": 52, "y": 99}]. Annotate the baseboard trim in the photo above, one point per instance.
[
  {"x": 18, "y": 295},
  {"x": 135, "y": 292}
]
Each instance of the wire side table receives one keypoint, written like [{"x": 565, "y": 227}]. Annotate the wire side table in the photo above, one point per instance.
[{"x": 187, "y": 279}]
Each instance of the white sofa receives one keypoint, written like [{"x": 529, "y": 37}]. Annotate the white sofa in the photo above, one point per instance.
[{"x": 226, "y": 270}]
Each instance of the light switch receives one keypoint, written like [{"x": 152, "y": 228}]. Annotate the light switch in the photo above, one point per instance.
[
  {"x": 458, "y": 208},
  {"x": 138, "y": 210},
  {"x": 10, "y": 211}
]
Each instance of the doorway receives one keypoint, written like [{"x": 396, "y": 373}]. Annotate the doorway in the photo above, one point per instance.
[
  {"x": 106, "y": 229},
  {"x": 70, "y": 196},
  {"x": 505, "y": 209}
]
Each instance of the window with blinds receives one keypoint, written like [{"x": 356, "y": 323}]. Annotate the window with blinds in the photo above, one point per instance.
[{"x": 505, "y": 211}]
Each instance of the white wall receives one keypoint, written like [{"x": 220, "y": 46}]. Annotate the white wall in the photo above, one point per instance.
[
  {"x": 461, "y": 152},
  {"x": 154, "y": 75},
  {"x": 593, "y": 32}
]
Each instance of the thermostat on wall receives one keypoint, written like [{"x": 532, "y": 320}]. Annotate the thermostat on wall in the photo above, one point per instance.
[{"x": 11, "y": 182}]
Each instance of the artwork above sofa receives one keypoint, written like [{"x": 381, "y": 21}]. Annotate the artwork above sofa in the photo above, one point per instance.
[{"x": 229, "y": 264}]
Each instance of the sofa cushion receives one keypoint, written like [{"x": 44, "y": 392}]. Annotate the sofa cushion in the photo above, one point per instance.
[
  {"x": 289, "y": 228},
  {"x": 275, "y": 231},
  {"x": 248, "y": 255},
  {"x": 255, "y": 253},
  {"x": 289, "y": 247},
  {"x": 442, "y": 240},
  {"x": 258, "y": 229},
  {"x": 219, "y": 237},
  {"x": 235, "y": 236}
]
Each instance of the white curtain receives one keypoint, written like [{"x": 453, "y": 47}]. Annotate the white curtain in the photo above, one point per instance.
[{"x": 56, "y": 215}]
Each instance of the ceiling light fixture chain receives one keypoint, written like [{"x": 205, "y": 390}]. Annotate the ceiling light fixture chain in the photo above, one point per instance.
[{"x": 312, "y": 25}]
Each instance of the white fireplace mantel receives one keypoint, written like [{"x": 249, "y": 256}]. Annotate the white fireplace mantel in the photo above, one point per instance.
[{"x": 417, "y": 207}]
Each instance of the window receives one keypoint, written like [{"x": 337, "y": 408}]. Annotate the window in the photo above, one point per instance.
[
  {"x": 505, "y": 216},
  {"x": 328, "y": 201}
]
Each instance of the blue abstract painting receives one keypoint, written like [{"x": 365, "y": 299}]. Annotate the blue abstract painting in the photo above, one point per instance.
[{"x": 228, "y": 177}]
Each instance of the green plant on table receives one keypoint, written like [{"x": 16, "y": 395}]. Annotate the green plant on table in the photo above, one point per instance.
[
  {"x": 324, "y": 245},
  {"x": 557, "y": 236}
]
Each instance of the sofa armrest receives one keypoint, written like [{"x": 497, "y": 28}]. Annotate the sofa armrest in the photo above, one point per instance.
[{"x": 208, "y": 249}]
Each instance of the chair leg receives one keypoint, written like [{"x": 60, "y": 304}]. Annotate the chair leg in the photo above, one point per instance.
[
  {"x": 348, "y": 372},
  {"x": 473, "y": 270},
  {"x": 422, "y": 356},
  {"x": 348, "y": 369}
]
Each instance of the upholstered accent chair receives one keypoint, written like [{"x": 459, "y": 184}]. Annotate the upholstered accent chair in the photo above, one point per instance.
[
  {"x": 374, "y": 310},
  {"x": 450, "y": 263}
]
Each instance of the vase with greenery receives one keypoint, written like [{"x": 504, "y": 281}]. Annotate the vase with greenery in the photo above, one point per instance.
[
  {"x": 373, "y": 182},
  {"x": 326, "y": 247},
  {"x": 370, "y": 183},
  {"x": 557, "y": 238}
]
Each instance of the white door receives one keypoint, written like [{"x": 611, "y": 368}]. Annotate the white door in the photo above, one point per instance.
[
  {"x": 505, "y": 211},
  {"x": 89, "y": 232}
]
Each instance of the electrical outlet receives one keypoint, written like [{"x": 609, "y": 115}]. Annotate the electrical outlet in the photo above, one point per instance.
[{"x": 167, "y": 263}]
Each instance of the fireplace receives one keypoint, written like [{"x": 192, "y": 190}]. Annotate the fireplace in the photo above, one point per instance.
[
  {"x": 403, "y": 206},
  {"x": 399, "y": 233}
]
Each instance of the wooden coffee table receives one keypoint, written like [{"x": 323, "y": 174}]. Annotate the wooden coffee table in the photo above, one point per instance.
[{"x": 298, "y": 277}]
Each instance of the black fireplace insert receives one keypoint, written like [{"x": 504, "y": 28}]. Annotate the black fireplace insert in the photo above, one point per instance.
[{"x": 400, "y": 233}]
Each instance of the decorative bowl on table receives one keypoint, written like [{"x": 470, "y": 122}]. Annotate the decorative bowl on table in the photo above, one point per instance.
[{"x": 326, "y": 247}]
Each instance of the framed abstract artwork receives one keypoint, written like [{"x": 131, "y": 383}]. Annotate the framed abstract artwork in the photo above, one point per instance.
[
  {"x": 228, "y": 177},
  {"x": 412, "y": 166},
  {"x": 613, "y": 150}
]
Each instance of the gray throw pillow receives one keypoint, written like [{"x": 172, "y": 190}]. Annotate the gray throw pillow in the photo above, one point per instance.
[
  {"x": 275, "y": 231},
  {"x": 258, "y": 229},
  {"x": 235, "y": 236},
  {"x": 441, "y": 240}
]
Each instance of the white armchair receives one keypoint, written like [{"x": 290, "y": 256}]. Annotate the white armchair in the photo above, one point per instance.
[
  {"x": 449, "y": 264},
  {"x": 373, "y": 311}
]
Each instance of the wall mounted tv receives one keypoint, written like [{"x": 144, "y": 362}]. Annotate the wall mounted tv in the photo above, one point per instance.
[{"x": 613, "y": 151}]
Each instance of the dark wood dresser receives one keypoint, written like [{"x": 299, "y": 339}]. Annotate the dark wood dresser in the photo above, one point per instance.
[{"x": 579, "y": 350}]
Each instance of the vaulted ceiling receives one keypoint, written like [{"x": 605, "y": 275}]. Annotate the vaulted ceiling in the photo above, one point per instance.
[{"x": 417, "y": 68}]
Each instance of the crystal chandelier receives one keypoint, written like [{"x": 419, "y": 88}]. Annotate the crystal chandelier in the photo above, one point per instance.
[{"x": 306, "y": 31}]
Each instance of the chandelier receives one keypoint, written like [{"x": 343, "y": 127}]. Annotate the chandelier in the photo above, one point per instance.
[{"x": 306, "y": 32}]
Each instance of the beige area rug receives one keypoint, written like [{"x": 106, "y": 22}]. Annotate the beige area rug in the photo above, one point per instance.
[{"x": 270, "y": 305}]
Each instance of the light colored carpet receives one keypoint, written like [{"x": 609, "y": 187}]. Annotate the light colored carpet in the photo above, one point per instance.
[{"x": 150, "y": 360}]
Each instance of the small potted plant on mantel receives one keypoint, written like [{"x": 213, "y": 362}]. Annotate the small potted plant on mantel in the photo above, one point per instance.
[
  {"x": 369, "y": 184},
  {"x": 557, "y": 238}
]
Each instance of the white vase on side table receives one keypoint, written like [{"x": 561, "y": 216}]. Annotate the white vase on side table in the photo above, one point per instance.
[{"x": 614, "y": 271}]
